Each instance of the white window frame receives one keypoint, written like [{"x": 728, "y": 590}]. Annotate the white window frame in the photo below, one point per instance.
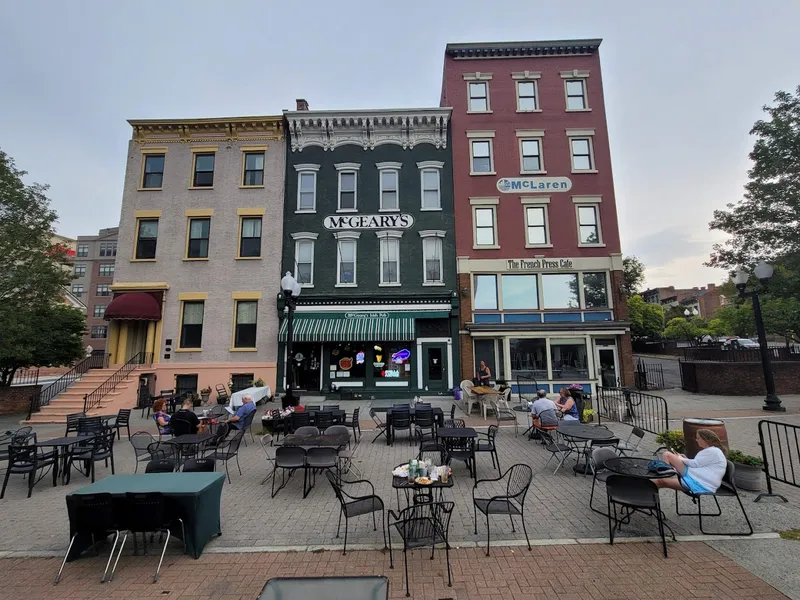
[
  {"x": 490, "y": 204},
  {"x": 542, "y": 202},
  {"x": 394, "y": 237},
  {"x": 346, "y": 236},
  {"x": 531, "y": 135},
  {"x": 589, "y": 202},
  {"x": 437, "y": 236},
  {"x": 79, "y": 270},
  {"x": 386, "y": 167},
  {"x": 306, "y": 169},
  {"x": 299, "y": 238},
  {"x": 582, "y": 134},
  {"x": 583, "y": 77},
  {"x": 473, "y": 78},
  {"x": 481, "y": 136},
  {"x": 430, "y": 166},
  {"x": 536, "y": 107},
  {"x": 353, "y": 169}
]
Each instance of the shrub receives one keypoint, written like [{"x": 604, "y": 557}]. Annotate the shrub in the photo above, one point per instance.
[
  {"x": 672, "y": 440},
  {"x": 739, "y": 457}
]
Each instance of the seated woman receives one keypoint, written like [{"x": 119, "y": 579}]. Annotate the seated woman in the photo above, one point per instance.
[
  {"x": 702, "y": 474},
  {"x": 566, "y": 404},
  {"x": 161, "y": 417}
]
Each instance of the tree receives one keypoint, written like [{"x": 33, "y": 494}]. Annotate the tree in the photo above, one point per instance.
[
  {"x": 47, "y": 334},
  {"x": 633, "y": 275},
  {"x": 31, "y": 267},
  {"x": 647, "y": 320},
  {"x": 681, "y": 329},
  {"x": 763, "y": 225},
  {"x": 717, "y": 328}
]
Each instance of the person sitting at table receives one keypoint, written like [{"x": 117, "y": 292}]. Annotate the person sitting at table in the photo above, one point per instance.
[
  {"x": 484, "y": 374},
  {"x": 161, "y": 417},
  {"x": 702, "y": 474},
  {"x": 566, "y": 404},
  {"x": 542, "y": 408},
  {"x": 237, "y": 420},
  {"x": 185, "y": 421}
]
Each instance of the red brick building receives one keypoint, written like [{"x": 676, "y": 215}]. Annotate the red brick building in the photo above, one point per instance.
[{"x": 537, "y": 240}]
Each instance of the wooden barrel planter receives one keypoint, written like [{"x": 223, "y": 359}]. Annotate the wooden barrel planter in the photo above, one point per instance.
[{"x": 690, "y": 427}]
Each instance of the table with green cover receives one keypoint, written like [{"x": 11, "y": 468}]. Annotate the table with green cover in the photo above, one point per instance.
[{"x": 193, "y": 497}]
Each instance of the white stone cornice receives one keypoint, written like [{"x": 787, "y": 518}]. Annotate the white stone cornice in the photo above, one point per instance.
[{"x": 368, "y": 128}]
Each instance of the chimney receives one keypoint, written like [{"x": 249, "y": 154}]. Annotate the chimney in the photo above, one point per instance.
[
  {"x": 302, "y": 104},
  {"x": 711, "y": 286}
]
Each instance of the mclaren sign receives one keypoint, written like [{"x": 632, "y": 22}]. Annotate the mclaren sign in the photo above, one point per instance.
[
  {"x": 390, "y": 221},
  {"x": 515, "y": 185}
]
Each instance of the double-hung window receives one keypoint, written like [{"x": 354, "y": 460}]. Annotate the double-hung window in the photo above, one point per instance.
[
  {"x": 99, "y": 310},
  {"x": 531, "y": 155},
  {"x": 536, "y": 233},
  {"x": 199, "y": 231},
  {"x": 246, "y": 324},
  {"x": 83, "y": 251},
  {"x": 106, "y": 270},
  {"x": 304, "y": 257},
  {"x": 108, "y": 248},
  {"x": 432, "y": 259},
  {"x": 103, "y": 290},
  {"x": 430, "y": 180},
  {"x": 389, "y": 257},
  {"x": 346, "y": 258},
  {"x": 589, "y": 224},
  {"x": 77, "y": 290},
  {"x": 203, "y": 169},
  {"x": 153, "y": 171},
  {"x": 348, "y": 185},
  {"x": 250, "y": 237},
  {"x": 478, "y": 96},
  {"x": 481, "y": 156},
  {"x": 79, "y": 270},
  {"x": 484, "y": 222},
  {"x": 253, "y": 169},
  {"x": 576, "y": 94},
  {"x": 192, "y": 324},
  {"x": 389, "y": 174},
  {"x": 146, "y": 239},
  {"x": 306, "y": 187},
  {"x": 527, "y": 96}
]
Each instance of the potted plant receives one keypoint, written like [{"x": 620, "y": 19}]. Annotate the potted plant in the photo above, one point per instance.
[
  {"x": 747, "y": 475},
  {"x": 588, "y": 415},
  {"x": 258, "y": 382},
  {"x": 672, "y": 440},
  {"x": 205, "y": 394}
]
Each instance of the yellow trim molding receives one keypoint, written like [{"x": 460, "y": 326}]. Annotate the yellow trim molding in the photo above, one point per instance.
[
  {"x": 190, "y": 296},
  {"x": 147, "y": 214},
  {"x": 246, "y": 295},
  {"x": 243, "y": 350},
  {"x": 154, "y": 149},
  {"x": 200, "y": 212},
  {"x": 204, "y": 149},
  {"x": 138, "y": 285},
  {"x": 251, "y": 212},
  {"x": 225, "y": 129},
  {"x": 254, "y": 148}
]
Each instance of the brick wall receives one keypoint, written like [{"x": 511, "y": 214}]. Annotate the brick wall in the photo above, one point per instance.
[
  {"x": 744, "y": 379},
  {"x": 464, "y": 339},
  {"x": 17, "y": 399},
  {"x": 621, "y": 309}
]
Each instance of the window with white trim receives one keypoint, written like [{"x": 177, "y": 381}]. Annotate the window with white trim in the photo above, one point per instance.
[
  {"x": 531, "y": 155},
  {"x": 106, "y": 270},
  {"x": 346, "y": 262},
  {"x": 348, "y": 185},
  {"x": 527, "y": 96},
  {"x": 99, "y": 310},
  {"x": 588, "y": 224},
  {"x": 581, "y": 149},
  {"x": 430, "y": 184},
  {"x": 433, "y": 262},
  {"x": 484, "y": 226},
  {"x": 536, "y": 225},
  {"x": 478, "y": 96},
  {"x": 576, "y": 94},
  {"x": 389, "y": 189},
  {"x": 390, "y": 261},
  {"x": 304, "y": 262},
  {"x": 480, "y": 156},
  {"x": 307, "y": 188},
  {"x": 79, "y": 270}
]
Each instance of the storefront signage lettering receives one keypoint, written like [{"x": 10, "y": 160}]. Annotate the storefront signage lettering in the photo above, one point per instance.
[
  {"x": 366, "y": 315},
  {"x": 391, "y": 373},
  {"x": 512, "y": 185},
  {"x": 523, "y": 264},
  {"x": 394, "y": 221}
]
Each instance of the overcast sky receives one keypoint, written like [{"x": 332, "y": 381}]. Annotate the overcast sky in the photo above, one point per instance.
[{"x": 683, "y": 86}]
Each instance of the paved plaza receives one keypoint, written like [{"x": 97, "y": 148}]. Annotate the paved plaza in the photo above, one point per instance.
[{"x": 557, "y": 516}]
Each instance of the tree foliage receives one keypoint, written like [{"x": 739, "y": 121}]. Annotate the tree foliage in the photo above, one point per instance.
[
  {"x": 633, "y": 275},
  {"x": 681, "y": 329},
  {"x": 764, "y": 224},
  {"x": 647, "y": 320}
]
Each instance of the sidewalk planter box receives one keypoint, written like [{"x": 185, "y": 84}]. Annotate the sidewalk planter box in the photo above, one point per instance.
[{"x": 748, "y": 477}]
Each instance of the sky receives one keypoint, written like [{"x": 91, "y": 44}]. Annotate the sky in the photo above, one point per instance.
[{"x": 683, "y": 85}]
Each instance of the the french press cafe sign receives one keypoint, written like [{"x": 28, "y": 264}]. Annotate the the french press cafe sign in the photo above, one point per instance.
[
  {"x": 538, "y": 264},
  {"x": 516, "y": 185},
  {"x": 390, "y": 221}
]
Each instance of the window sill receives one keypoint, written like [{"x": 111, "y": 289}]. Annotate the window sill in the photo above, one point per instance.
[
  {"x": 306, "y": 211},
  {"x": 493, "y": 247},
  {"x": 243, "y": 350},
  {"x": 538, "y": 245},
  {"x": 388, "y": 210},
  {"x": 433, "y": 284},
  {"x": 591, "y": 245},
  {"x": 533, "y": 172},
  {"x": 195, "y": 259},
  {"x": 143, "y": 260},
  {"x": 577, "y": 110},
  {"x": 483, "y": 173},
  {"x": 202, "y": 187},
  {"x": 398, "y": 284},
  {"x": 585, "y": 171},
  {"x": 307, "y": 286},
  {"x": 535, "y": 110},
  {"x": 346, "y": 210},
  {"x": 248, "y": 258},
  {"x": 251, "y": 187},
  {"x": 187, "y": 350},
  {"x": 143, "y": 189},
  {"x": 431, "y": 209},
  {"x": 346, "y": 285},
  {"x": 479, "y": 112}
]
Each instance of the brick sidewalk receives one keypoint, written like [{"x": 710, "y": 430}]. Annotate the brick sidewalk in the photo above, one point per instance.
[{"x": 597, "y": 571}]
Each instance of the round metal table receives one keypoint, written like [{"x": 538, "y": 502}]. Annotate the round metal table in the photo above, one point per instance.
[
  {"x": 635, "y": 467},
  {"x": 586, "y": 434}
]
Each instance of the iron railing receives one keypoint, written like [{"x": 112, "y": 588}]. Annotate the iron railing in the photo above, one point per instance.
[
  {"x": 26, "y": 376},
  {"x": 530, "y": 386},
  {"x": 688, "y": 372},
  {"x": 623, "y": 405},
  {"x": 648, "y": 376},
  {"x": 721, "y": 355},
  {"x": 43, "y": 397},
  {"x": 93, "y": 399},
  {"x": 780, "y": 451}
]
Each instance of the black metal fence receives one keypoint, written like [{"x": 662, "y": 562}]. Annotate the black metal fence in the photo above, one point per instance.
[
  {"x": 43, "y": 397},
  {"x": 526, "y": 388},
  {"x": 780, "y": 451},
  {"x": 93, "y": 399},
  {"x": 688, "y": 372},
  {"x": 721, "y": 355},
  {"x": 648, "y": 376},
  {"x": 623, "y": 405},
  {"x": 26, "y": 376}
]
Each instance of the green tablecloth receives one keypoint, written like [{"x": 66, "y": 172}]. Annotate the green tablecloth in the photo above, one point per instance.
[{"x": 194, "y": 497}]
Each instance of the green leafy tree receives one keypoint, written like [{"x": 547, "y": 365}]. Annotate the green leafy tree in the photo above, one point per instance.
[
  {"x": 717, "y": 327},
  {"x": 764, "y": 224},
  {"x": 681, "y": 329},
  {"x": 647, "y": 320},
  {"x": 633, "y": 275}
]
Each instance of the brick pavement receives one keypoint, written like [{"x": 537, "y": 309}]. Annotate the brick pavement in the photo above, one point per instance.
[{"x": 596, "y": 571}]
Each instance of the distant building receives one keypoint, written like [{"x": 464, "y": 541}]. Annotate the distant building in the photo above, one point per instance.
[{"x": 706, "y": 300}]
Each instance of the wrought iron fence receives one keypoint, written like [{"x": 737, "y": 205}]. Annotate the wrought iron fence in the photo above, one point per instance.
[
  {"x": 648, "y": 376},
  {"x": 43, "y": 397},
  {"x": 26, "y": 376},
  {"x": 93, "y": 399},
  {"x": 526, "y": 388},
  {"x": 780, "y": 451},
  {"x": 722, "y": 355},
  {"x": 688, "y": 372},
  {"x": 623, "y": 405}
]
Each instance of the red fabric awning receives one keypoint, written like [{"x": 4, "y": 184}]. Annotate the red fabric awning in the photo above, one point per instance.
[{"x": 137, "y": 306}]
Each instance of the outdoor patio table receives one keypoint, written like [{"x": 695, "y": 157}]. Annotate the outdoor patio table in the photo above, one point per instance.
[
  {"x": 451, "y": 433},
  {"x": 257, "y": 393},
  {"x": 438, "y": 417},
  {"x": 193, "y": 497},
  {"x": 337, "y": 440},
  {"x": 326, "y": 588},
  {"x": 60, "y": 446},
  {"x": 402, "y": 483},
  {"x": 584, "y": 433},
  {"x": 636, "y": 467},
  {"x": 189, "y": 440}
]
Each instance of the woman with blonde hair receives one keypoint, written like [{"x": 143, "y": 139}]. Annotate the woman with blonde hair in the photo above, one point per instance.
[{"x": 702, "y": 474}]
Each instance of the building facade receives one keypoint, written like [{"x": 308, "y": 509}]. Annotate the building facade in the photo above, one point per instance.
[
  {"x": 705, "y": 300},
  {"x": 93, "y": 270},
  {"x": 537, "y": 241},
  {"x": 199, "y": 237},
  {"x": 369, "y": 236}
]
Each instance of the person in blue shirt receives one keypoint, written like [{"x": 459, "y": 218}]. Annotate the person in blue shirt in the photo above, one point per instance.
[{"x": 237, "y": 420}]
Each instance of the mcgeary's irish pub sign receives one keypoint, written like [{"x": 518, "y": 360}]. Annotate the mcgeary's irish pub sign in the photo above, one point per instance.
[{"x": 392, "y": 221}]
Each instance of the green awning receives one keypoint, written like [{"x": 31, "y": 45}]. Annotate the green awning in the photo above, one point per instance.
[{"x": 334, "y": 329}]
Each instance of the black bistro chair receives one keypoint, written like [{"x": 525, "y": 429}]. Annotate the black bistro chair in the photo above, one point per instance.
[
  {"x": 300, "y": 419},
  {"x": 89, "y": 425},
  {"x": 424, "y": 425},
  {"x": 72, "y": 423},
  {"x": 28, "y": 460},
  {"x": 633, "y": 494},
  {"x": 228, "y": 449},
  {"x": 380, "y": 426},
  {"x": 323, "y": 419},
  {"x": 141, "y": 441},
  {"x": 487, "y": 443},
  {"x": 199, "y": 465},
  {"x": 401, "y": 421},
  {"x": 512, "y": 503},
  {"x": 92, "y": 450},
  {"x": 598, "y": 458},
  {"x": 161, "y": 465},
  {"x": 355, "y": 506},
  {"x": 123, "y": 420},
  {"x": 288, "y": 458},
  {"x": 354, "y": 423}
]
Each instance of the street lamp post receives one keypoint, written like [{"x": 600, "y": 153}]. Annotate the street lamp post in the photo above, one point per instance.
[
  {"x": 763, "y": 272},
  {"x": 291, "y": 290}
]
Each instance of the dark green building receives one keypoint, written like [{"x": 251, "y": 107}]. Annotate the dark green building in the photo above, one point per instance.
[{"x": 368, "y": 233}]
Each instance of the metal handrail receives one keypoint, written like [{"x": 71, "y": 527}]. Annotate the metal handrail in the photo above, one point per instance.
[
  {"x": 43, "y": 397},
  {"x": 93, "y": 399}
]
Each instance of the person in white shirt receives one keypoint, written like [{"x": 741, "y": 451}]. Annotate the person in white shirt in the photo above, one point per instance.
[{"x": 702, "y": 474}]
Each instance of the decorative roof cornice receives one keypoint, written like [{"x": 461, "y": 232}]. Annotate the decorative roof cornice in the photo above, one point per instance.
[
  {"x": 368, "y": 128},
  {"x": 521, "y": 49},
  {"x": 207, "y": 130}
]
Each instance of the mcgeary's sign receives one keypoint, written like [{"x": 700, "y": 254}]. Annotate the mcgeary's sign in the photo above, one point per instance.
[
  {"x": 393, "y": 221},
  {"x": 514, "y": 185}
]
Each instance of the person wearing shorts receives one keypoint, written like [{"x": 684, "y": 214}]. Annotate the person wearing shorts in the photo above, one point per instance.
[{"x": 699, "y": 475}]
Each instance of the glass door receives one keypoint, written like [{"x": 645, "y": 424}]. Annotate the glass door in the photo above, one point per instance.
[
  {"x": 435, "y": 373},
  {"x": 606, "y": 364}
]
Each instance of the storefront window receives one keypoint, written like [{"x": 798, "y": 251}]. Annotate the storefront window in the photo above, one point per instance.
[
  {"x": 348, "y": 361},
  {"x": 391, "y": 361},
  {"x": 569, "y": 361},
  {"x": 520, "y": 292},
  {"x": 528, "y": 358},
  {"x": 485, "y": 351},
  {"x": 560, "y": 290},
  {"x": 595, "y": 294},
  {"x": 485, "y": 292}
]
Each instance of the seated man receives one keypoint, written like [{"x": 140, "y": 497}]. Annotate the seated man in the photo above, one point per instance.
[
  {"x": 247, "y": 407},
  {"x": 185, "y": 421},
  {"x": 543, "y": 413}
]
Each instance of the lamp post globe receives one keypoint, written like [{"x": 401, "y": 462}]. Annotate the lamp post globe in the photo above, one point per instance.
[
  {"x": 686, "y": 313},
  {"x": 763, "y": 271}
]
